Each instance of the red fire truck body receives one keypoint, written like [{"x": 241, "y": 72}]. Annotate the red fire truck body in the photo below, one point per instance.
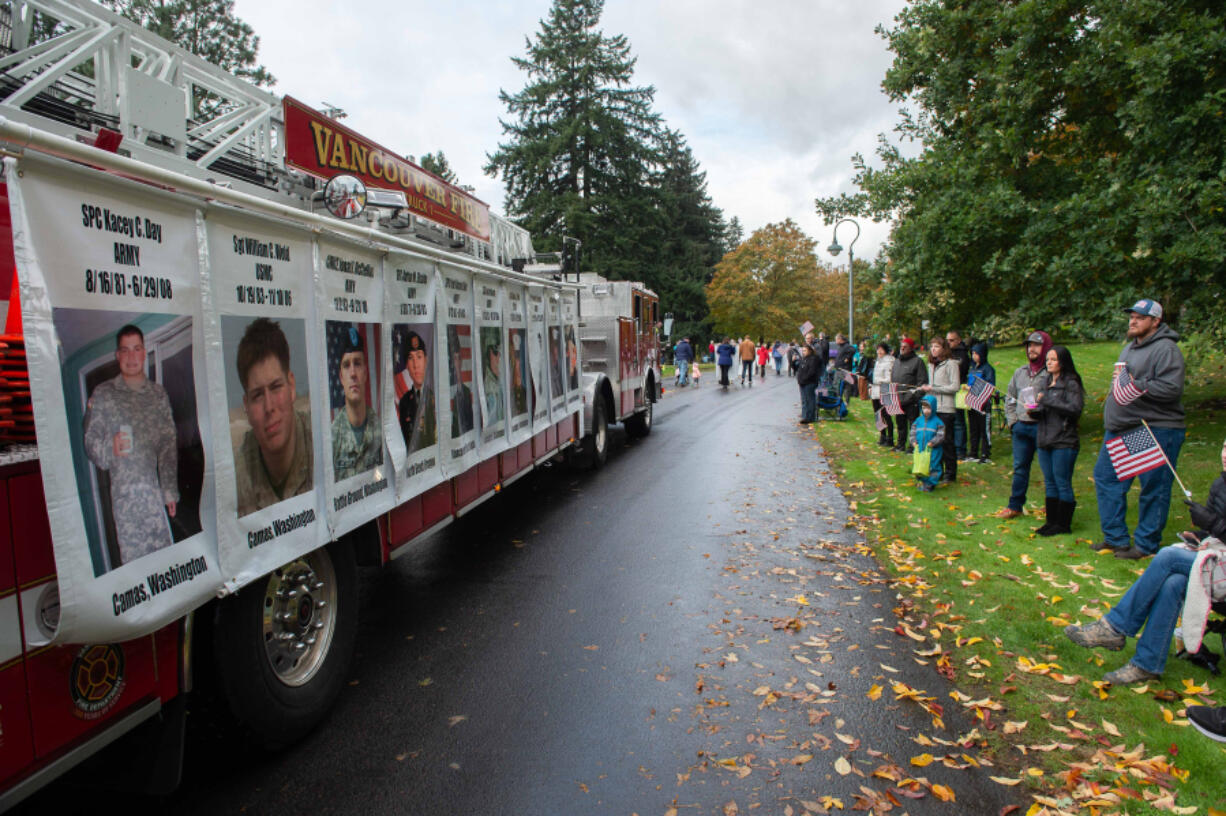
[{"x": 60, "y": 703}]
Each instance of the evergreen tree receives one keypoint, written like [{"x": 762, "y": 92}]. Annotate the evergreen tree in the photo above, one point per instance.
[
  {"x": 583, "y": 143},
  {"x": 734, "y": 234},
  {"x": 437, "y": 164}
]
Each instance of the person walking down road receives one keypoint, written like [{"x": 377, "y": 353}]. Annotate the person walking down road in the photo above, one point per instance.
[
  {"x": 1188, "y": 576},
  {"x": 881, "y": 375},
  {"x": 1060, "y": 398},
  {"x": 959, "y": 354},
  {"x": 695, "y": 374},
  {"x": 1147, "y": 387},
  {"x": 1024, "y": 428},
  {"x": 928, "y": 434},
  {"x": 748, "y": 351},
  {"x": 682, "y": 357},
  {"x": 944, "y": 385},
  {"x": 909, "y": 373},
  {"x": 980, "y": 446},
  {"x": 806, "y": 379},
  {"x": 763, "y": 355},
  {"x": 777, "y": 357},
  {"x": 723, "y": 356}
]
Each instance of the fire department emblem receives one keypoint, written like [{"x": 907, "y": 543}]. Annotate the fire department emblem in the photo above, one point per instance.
[{"x": 96, "y": 679}]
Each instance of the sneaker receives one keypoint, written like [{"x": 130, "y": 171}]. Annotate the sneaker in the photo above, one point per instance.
[
  {"x": 983, "y": 460},
  {"x": 925, "y": 487},
  {"x": 1128, "y": 674},
  {"x": 1132, "y": 553},
  {"x": 1209, "y": 721},
  {"x": 1101, "y": 545},
  {"x": 1098, "y": 633}
]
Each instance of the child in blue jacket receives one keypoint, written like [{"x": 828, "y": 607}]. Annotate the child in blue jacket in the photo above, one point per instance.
[
  {"x": 980, "y": 441},
  {"x": 928, "y": 432}
]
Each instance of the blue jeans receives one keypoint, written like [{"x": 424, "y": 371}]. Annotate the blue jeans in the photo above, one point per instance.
[
  {"x": 960, "y": 432},
  {"x": 683, "y": 372},
  {"x": 1057, "y": 466},
  {"x": 808, "y": 402},
  {"x": 747, "y": 370},
  {"x": 1154, "y": 600},
  {"x": 1153, "y": 503},
  {"x": 1025, "y": 442}
]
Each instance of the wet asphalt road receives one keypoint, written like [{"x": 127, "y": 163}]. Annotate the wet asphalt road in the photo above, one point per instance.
[{"x": 601, "y": 642}]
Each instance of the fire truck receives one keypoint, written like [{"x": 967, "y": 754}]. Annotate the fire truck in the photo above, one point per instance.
[{"x": 105, "y": 104}]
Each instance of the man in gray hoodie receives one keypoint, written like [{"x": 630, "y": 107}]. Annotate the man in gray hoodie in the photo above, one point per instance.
[{"x": 1147, "y": 385}]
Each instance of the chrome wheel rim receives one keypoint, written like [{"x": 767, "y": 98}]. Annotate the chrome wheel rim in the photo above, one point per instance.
[{"x": 299, "y": 617}]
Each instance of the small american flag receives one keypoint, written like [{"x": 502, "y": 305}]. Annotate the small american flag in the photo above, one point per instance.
[
  {"x": 889, "y": 399},
  {"x": 1134, "y": 453},
  {"x": 978, "y": 393},
  {"x": 1123, "y": 390},
  {"x": 882, "y": 422},
  {"x": 848, "y": 377}
]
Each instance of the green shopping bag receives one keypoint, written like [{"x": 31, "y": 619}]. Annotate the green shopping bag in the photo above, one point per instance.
[
  {"x": 920, "y": 461},
  {"x": 960, "y": 399}
]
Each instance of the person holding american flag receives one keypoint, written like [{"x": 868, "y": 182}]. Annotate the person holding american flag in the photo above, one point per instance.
[
  {"x": 1060, "y": 400},
  {"x": 1146, "y": 390}
]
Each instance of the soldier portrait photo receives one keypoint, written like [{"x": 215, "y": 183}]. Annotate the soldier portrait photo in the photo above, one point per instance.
[
  {"x": 413, "y": 377},
  {"x": 491, "y": 374},
  {"x": 556, "y": 374},
  {"x": 356, "y": 432},
  {"x": 129, "y": 386},
  {"x": 270, "y": 410},
  {"x": 517, "y": 342},
  {"x": 572, "y": 359},
  {"x": 460, "y": 374}
]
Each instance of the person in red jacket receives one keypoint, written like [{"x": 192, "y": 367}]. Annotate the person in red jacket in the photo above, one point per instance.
[{"x": 763, "y": 355}]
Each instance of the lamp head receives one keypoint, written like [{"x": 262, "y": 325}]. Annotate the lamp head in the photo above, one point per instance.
[{"x": 835, "y": 248}]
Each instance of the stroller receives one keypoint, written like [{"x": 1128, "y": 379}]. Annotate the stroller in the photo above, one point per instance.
[
  {"x": 832, "y": 404},
  {"x": 828, "y": 399}
]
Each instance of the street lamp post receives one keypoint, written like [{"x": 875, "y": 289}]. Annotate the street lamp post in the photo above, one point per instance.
[{"x": 834, "y": 249}]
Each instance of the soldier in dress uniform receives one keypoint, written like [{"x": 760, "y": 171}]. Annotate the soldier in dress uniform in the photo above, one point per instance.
[
  {"x": 492, "y": 383},
  {"x": 130, "y": 433},
  {"x": 357, "y": 436},
  {"x": 416, "y": 406},
  {"x": 275, "y": 460},
  {"x": 519, "y": 390}
]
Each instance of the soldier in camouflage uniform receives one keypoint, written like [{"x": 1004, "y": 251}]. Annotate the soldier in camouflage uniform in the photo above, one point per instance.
[
  {"x": 130, "y": 433},
  {"x": 416, "y": 406},
  {"x": 357, "y": 437},
  {"x": 275, "y": 460}
]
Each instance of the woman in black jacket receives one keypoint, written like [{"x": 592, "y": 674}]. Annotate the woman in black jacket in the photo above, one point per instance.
[
  {"x": 1060, "y": 398},
  {"x": 806, "y": 377}
]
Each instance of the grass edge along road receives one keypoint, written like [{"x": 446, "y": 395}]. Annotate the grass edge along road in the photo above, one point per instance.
[{"x": 985, "y": 602}]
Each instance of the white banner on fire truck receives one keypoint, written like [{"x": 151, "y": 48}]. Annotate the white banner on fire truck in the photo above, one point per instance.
[
  {"x": 415, "y": 368},
  {"x": 357, "y": 471},
  {"x": 263, "y": 359},
  {"x": 491, "y": 346},
  {"x": 570, "y": 347},
  {"x": 537, "y": 366},
  {"x": 455, "y": 322},
  {"x": 110, "y": 298},
  {"x": 515, "y": 312}
]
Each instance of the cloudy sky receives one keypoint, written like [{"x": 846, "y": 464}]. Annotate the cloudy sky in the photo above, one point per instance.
[{"x": 774, "y": 96}]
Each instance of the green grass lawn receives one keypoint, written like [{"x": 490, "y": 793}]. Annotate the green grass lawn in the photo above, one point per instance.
[{"x": 986, "y": 601}]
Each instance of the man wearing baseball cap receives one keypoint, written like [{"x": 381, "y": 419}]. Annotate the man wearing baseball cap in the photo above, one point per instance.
[
  {"x": 909, "y": 370},
  {"x": 1023, "y": 427},
  {"x": 1147, "y": 386}
]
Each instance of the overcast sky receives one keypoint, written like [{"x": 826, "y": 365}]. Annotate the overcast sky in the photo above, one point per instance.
[{"x": 774, "y": 96}]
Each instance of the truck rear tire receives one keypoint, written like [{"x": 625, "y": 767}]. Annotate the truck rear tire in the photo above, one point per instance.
[
  {"x": 596, "y": 444},
  {"x": 639, "y": 425},
  {"x": 282, "y": 645}
]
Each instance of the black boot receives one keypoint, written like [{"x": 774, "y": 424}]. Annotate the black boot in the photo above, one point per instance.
[
  {"x": 1052, "y": 525},
  {"x": 1066, "y": 516}
]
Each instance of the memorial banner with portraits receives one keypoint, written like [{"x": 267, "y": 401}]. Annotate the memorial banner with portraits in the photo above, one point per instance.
[
  {"x": 415, "y": 368},
  {"x": 538, "y": 367},
  {"x": 349, "y": 308},
  {"x": 110, "y": 299},
  {"x": 570, "y": 350},
  {"x": 491, "y": 346},
  {"x": 263, "y": 363},
  {"x": 459, "y": 405},
  {"x": 557, "y": 355},
  {"x": 519, "y": 389}
]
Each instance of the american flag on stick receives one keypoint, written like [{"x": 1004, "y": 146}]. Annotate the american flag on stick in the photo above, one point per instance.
[
  {"x": 889, "y": 399},
  {"x": 1123, "y": 389},
  {"x": 1134, "y": 453},
  {"x": 882, "y": 422},
  {"x": 978, "y": 393},
  {"x": 848, "y": 377}
]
